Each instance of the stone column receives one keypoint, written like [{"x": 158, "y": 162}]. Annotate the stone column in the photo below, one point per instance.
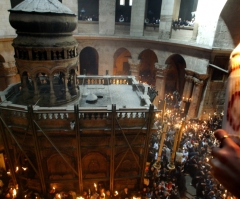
[
  {"x": 161, "y": 80},
  {"x": 188, "y": 86},
  {"x": 107, "y": 17},
  {"x": 196, "y": 98},
  {"x": 137, "y": 17},
  {"x": 52, "y": 95},
  {"x": 10, "y": 73},
  {"x": 187, "y": 92},
  {"x": 74, "y": 82},
  {"x": 134, "y": 67},
  {"x": 169, "y": 10},
  {"x": 36, "y": 91},
  {"x": 68, "y": 96},
  {"x": 24, "y": 83}
]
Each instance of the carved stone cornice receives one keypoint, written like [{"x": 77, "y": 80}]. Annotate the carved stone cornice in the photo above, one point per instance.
[
  {"x": 198, "y": 82},
  {"x": 202, "y": 76},
  {"x": 189, "y": 78},
  {"x": 8, "y": 68},
  {"x": 189, "y": 72},
  {"x": 134, "y": 62},
  {"x": 161, "y": 66}
]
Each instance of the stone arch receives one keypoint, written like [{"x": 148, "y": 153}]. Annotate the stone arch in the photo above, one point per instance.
[
  {"x": 58, "y": 168},
  {"x": 94, "y": 164},
  {"x": 175, "y": 76},
  {"x": 2, "y": 60},
  {"x": 121, "y": 65},
  {"x": 89, "y": 59},
  {"x": 147, "y": 70},
  {"x": 225, "y": 22}
]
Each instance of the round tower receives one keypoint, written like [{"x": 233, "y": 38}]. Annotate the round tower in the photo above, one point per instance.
[{"x": 45, "y": 52}]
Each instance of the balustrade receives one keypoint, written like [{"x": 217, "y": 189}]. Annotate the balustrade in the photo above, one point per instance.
[{"x": 43, "y": 54}]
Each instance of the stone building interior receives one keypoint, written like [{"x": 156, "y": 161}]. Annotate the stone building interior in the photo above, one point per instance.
[{"x": 81, "y": 91}]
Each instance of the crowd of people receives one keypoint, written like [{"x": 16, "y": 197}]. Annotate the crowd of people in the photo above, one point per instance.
[
  {"x": 192, "y": 156},
  {"x": 183, "y": 23},
  {"x": 88, "y": 17},
  {"x": 192, "y": 159}
]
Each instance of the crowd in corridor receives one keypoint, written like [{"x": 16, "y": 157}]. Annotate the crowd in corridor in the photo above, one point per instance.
[{"x": 191, "y": 159}]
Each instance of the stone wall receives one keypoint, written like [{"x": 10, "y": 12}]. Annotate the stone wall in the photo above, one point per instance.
[
  {"x": 6, "y": 28},
  {"x": 196, "y": 59},
  {"x": 207, "y": 16}
]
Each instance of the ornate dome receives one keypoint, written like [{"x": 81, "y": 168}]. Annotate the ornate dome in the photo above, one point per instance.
[
  {"x": 42, "y": 16},
  {"x": 42, "y": 6}
]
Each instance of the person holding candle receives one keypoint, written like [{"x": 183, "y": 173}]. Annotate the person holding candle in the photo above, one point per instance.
[
  {"x": 125, "y": 194},
  {"x": 226, "y": 160}
]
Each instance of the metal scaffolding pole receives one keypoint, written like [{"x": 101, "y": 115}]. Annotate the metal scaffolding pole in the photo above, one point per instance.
[
  {"x": 112, "y": 142},
  {"x": 79, "y": 159},
  {"x": 148, "y": 135},
  {"x": 7, "y": 151},
  {"x": 37, "y": 150}
]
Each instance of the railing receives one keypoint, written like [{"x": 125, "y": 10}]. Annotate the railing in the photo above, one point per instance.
[
  {"x": 46, "y": 53},
  {"x": 104, "y": 80},
  {"x": 61, "y": 117}
]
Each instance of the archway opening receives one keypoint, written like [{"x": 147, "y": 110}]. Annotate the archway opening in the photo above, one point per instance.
[
  {"x": 147, "y": 70},
  {"x": 175, "y": 77},
  {"x": 89, "y": 61},
  {"x": 121, "y": 65}
]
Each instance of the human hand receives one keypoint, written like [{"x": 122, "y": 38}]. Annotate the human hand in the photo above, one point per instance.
[{"x": 226, "y": 161}]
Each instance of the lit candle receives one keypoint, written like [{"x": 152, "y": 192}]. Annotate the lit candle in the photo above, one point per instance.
[
  {"x": 14, "y": 193},
  {"x": 95, "y": 186}
]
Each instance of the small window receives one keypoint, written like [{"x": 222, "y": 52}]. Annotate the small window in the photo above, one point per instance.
[
  {"x": 130, "y": 2},
  {"x": 122, "y": 2}
]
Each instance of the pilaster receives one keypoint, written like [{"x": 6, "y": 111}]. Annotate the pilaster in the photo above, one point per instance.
[
  {"x": 134, "y": 67},
  {"x": 137, "y": 17},
  {"x": 168, "y": 11},
  {"x": 161, "y": 79},
  {"x": 107, "y": 17},
  {"x": 195, "y": 98}
]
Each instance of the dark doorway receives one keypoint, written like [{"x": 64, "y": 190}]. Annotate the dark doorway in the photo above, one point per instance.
[
  {"x": 147, "y": 70},
  {"x": 89, "y": 61}
]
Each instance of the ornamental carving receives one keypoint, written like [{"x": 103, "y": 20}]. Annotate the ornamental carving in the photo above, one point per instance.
[
  {"x": 189, "y": 78},
  {"x": 198, "y": 82},
  {"x": 161, "y": 66},
  {"x": 134, "y": 62},
  {"x": 8, "y": 68}
]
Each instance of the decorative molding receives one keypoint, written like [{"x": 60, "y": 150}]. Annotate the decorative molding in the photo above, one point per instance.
[
  {"x": 161, "y": 66},
  {"x": 198, "y": 82},
  {"x": 134, "y": 62}
]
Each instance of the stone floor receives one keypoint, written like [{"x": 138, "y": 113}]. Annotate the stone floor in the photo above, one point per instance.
[{"x": 191, "y": 191}]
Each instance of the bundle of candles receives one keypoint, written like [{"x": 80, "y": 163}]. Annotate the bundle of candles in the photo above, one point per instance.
[{"x": 231, "y": 120}]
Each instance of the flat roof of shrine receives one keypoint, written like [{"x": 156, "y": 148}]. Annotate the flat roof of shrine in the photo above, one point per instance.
[{"x": 120, "y": 94}]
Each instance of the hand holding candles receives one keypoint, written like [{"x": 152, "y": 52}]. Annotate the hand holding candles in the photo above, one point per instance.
[{"x": 226, "y": 160}]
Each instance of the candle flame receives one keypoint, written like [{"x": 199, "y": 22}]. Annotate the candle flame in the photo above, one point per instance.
[{"x": 14, "y": 192}]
